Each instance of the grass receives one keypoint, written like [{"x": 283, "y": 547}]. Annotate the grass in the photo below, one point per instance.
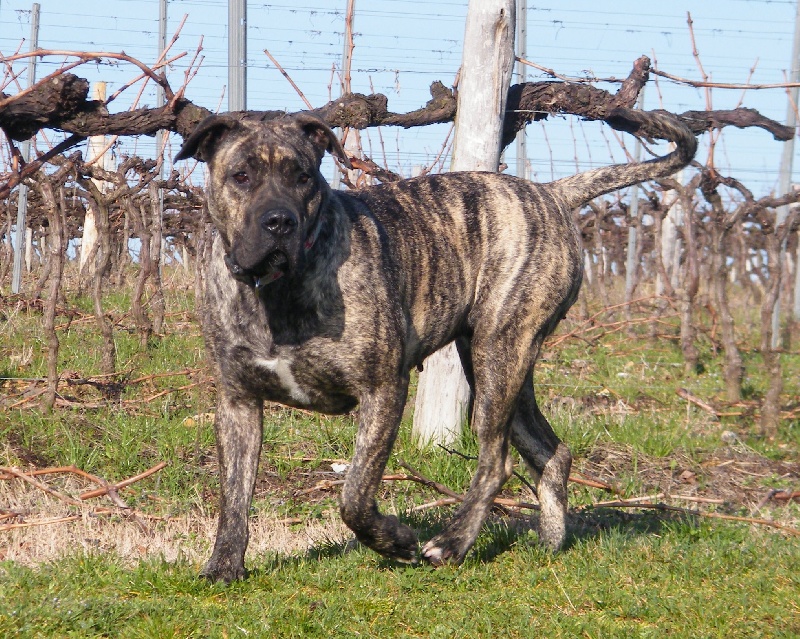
[
  {"x": 685, "y": 580},
  {"x": 624, "y": 573}
]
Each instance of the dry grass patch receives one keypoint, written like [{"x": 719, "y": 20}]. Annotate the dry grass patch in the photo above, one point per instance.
[{"x": 43, "y": 529}]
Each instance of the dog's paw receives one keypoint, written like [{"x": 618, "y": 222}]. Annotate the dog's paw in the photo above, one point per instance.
[
  {"x": 388, "y": 537},
  {"x": 403, "y": 546},
  {"x": 401, "y": 553},
  {"x": 409, "y": 558},
  {"x": 438, "y": 552},
  {"x": 552, "y": 535},
  {"x": 222, "y": 571}
]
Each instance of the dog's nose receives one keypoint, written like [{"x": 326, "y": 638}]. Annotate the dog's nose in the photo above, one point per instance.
[{"x": 279, "y": 222}]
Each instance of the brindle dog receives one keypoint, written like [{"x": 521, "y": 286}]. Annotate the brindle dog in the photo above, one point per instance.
[{"x": 325, "y": 300}]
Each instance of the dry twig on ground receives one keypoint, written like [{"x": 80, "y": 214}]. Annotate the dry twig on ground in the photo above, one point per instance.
[{"x": 8, "y": 473}]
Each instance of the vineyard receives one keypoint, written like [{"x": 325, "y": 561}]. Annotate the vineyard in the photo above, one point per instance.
[
  {"x": 670, "y": 379},
  {"x": 707, "y": 255}
]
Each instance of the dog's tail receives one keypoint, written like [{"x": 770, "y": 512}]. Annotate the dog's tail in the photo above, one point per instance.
[{"x": 581, "y": 188}]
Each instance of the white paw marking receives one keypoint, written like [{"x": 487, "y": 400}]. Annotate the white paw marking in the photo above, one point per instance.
[
  {"x": 283, "y": 369},
  {"x": 432, "y": 553}
]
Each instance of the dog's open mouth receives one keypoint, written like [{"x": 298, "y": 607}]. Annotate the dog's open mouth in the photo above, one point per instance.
[
  {"x": 273, "y": 266},
  {"x": 276, "y": 260}
]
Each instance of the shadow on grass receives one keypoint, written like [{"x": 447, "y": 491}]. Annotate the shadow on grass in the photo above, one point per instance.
[
  {"x": 591, "y": 523},
  {"x": 500, "y": 534}
]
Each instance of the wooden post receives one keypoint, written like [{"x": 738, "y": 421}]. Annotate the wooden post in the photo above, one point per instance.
[
  {"x": 22, "y": 201},
  {"x": 442, "y": 392},
  {"x": 785, "y": 178},
  {"x": 96, "y": 149},
  {"x": 28, "y": 249},
  {"x": 631, "y": 264},
  {"x": 671, "y": 246},
  {"x": 237, "y": 55},
  {"x": 523, "y": 166},
  {"x": 352, "y": 141}
]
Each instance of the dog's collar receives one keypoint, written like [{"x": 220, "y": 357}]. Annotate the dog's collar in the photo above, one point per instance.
[{"x": 275, "y": 273}]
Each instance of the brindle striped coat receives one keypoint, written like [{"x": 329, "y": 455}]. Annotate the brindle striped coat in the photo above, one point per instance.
[{"x": 326, "y": 300}]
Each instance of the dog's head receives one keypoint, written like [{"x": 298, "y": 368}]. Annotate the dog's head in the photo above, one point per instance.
[{"x": 265, "y": 189}]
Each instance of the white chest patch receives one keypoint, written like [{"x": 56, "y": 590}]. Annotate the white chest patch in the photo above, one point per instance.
[{"x": 283, "y": 369}]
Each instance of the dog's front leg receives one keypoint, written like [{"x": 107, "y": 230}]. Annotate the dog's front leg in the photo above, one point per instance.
[
  {"x": 238, "y": 427},
  {"x": 379, "y": 420}
]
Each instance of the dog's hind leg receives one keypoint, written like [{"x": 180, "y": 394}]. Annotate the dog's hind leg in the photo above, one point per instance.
[
  {"x": 497, "y": 380},
  {"x": 505, "y": 407},
  {"x": 379, "y": 419},
  {"x": 548, "y": 460}
]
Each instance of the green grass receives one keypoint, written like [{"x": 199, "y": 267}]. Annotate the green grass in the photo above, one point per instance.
[
  {"x": 685, "y": 580},
  {"x": 624, "y": 573}
]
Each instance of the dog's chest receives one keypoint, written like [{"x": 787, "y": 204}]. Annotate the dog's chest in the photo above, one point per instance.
[
  {"x": 279, "y": 379},
  {"x": 302, "y": 377}
]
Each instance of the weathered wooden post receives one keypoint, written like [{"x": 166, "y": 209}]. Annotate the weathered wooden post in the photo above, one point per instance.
[
  {"x": 99, "y": 153},
  {"x": 22, "y": 201},
  {"x": 442, "y": 392}
]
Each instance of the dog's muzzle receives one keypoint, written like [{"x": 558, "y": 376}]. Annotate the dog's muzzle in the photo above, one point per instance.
[
  {"x": 271, "y": 269},
  {"x": 280, "y": 225}
]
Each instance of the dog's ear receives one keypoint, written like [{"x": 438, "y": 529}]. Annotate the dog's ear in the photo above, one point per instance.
[
  {"x": 321, "y": 136},
  {"x": 205, "y": 139}
]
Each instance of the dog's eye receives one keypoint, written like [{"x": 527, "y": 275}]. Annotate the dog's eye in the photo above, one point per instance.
[
  {"x": 241, "y": 177},
  {"x": 303, "y": 178}
]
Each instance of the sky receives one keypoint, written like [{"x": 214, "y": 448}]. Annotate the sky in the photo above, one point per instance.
[{"x": 402, "y": 46}]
